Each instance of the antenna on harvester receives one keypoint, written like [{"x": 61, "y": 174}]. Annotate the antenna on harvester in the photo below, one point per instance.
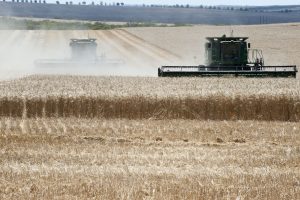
[{"x": 231, "y": 33}]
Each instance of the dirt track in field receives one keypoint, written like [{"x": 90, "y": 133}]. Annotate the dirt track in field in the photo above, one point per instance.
[{"x": 19, "y": 49}]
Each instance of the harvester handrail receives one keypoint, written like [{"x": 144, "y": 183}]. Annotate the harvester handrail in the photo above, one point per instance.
[{"x": 237, "y": 67}]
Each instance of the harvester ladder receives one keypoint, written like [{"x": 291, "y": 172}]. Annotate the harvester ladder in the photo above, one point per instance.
[{"x": 255, "y": 56}]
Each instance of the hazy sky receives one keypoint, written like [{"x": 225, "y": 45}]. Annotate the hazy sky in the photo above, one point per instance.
[{"x": 200, "y": 2}]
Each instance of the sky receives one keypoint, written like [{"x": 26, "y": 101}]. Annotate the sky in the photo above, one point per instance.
[{"x": 200, "y": 2}]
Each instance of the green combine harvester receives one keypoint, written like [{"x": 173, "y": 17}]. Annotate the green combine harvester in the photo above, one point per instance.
[{"x": 230, "y": 56}]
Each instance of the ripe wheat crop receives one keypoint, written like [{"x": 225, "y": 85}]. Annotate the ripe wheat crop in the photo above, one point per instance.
[{"x": 144, "y": 98}]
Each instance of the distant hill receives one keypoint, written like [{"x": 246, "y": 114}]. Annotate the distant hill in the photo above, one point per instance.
[
  {"x": 283, "y": 9},
  {"x": 216, "y": 16}
]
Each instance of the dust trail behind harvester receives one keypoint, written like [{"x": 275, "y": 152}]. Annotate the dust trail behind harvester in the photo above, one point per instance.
[{"x": 21, "y": 48}]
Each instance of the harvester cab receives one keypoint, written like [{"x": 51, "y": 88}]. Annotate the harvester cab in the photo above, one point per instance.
[
  {"x": 230, "y": 56},
  {"x": 226, "y": 51},
  {"x": 83, "y": 49},
  {"x": 232, "y": 51}
]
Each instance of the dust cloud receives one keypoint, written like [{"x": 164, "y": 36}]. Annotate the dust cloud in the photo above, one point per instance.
[{"x": 123, "y": 53}]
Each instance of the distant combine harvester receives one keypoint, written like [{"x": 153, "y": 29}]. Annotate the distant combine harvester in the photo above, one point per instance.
[{"x": 83, "y": 54}]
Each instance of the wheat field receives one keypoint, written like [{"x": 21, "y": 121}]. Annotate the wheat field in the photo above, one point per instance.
[
  {"x": 67, "y": 158},
  {"x": 102, "y": 137},
  {"x": 89, "y": 137}
]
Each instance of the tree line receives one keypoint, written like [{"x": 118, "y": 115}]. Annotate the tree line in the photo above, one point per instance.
[{"x": 102, "y": 3}]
